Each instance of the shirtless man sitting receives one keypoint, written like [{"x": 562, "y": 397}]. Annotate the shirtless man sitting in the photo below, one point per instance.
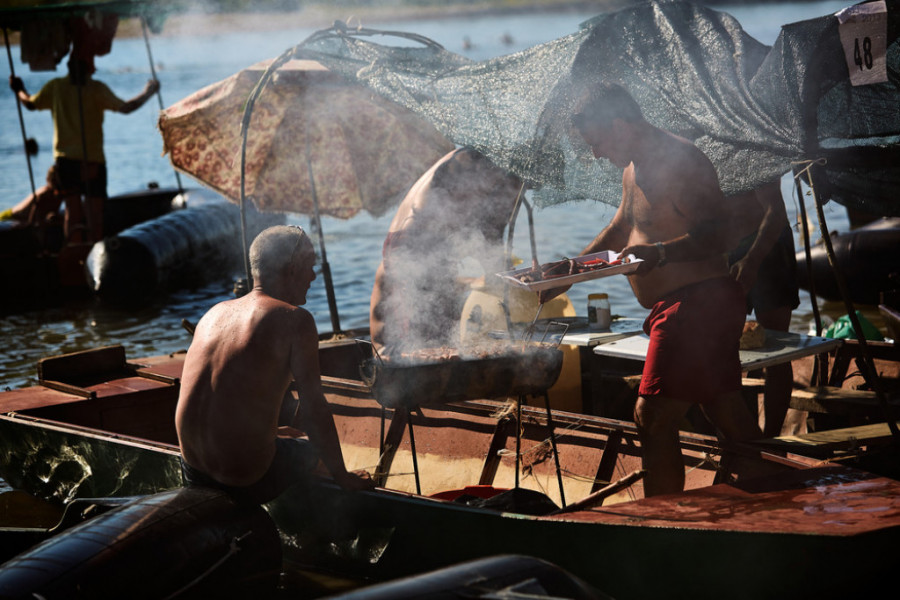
[
  {"x": 670, "y": 216},
  {"x": 243, "y": 356}
]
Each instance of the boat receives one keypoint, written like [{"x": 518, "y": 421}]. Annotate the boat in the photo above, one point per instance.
[
  {"x": 156, "y": 240},
  {"x": 458, "y": 483},
  {"x": 866, "y": 257}
]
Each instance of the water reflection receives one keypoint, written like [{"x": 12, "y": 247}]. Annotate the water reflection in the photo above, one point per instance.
[{"x": 148, "y": 330}]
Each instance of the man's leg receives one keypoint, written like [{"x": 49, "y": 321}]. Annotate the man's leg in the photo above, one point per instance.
[
  {"x": 736, "y": 423},
  {"x": 657, "y": 421},
  {"x": 73, "y": 222},
  {"x": 779, "y": 379}
]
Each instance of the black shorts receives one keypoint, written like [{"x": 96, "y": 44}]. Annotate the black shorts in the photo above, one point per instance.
[
  {"x": 776, "y": 283},
  {"x": 294, "y": 462},
  {"x": 70, "y": 177}
]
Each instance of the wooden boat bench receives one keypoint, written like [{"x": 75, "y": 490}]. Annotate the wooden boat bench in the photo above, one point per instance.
[
  {"x": 105, "y": 391},
  {"x": 833, "y": 442},
  {"x": 839, "y": 401}
]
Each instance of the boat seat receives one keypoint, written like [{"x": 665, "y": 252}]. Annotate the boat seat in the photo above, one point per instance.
[
  {"x": 828, "y": 443},
  {"x": 73, "y": 372},
  {"x": 839, "y": 401}
]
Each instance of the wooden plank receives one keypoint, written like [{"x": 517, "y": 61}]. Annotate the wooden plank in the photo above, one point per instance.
[
  {"x": 838, "y": 401},
  {"x": 835, "y": 438},
  {"x": 78, "y": 365}
]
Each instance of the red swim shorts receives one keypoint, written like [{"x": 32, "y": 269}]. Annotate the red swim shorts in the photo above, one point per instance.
[{"x": 694, "y": 334}]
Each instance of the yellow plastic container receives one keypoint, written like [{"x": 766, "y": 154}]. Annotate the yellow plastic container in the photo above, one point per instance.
[{"x": 483, "y": 313}]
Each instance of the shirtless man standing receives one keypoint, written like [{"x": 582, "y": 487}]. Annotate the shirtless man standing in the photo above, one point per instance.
[
  {"x": 670, "y": 216},
  {"x": 244, "y": 354}
]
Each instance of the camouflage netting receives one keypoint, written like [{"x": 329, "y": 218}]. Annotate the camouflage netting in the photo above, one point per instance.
[{"x": 753, "y": 109}]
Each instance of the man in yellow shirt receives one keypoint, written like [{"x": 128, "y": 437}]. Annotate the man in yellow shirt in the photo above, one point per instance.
[{"x": 77, "y": 103}]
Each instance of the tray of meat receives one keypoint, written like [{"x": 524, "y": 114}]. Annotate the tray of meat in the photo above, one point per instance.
[{"x": 572, "y": 270}]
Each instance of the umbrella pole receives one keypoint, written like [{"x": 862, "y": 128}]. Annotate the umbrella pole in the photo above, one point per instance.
[
  {"x": 158, "y": 92},
  {"x": 326, "y": 268},
  {"x": 12, "y": 71}
]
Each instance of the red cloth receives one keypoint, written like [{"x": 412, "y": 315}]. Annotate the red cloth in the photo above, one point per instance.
[{"x": 694, "y": 334}]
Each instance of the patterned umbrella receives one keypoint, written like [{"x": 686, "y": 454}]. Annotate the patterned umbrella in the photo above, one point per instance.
[
  {"x": 315, "y": 144},
  {"x": 364, "y": 150}
]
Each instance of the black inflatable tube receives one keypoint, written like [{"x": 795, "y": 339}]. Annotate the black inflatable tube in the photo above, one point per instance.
[
  {"x": 868, "y": 258},
  {"x": 191, "y": 542},
  {"x": 196, "y": 244}
]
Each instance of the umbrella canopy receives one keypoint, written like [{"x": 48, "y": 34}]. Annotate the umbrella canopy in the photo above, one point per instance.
[{"x": 363, "y": 150}]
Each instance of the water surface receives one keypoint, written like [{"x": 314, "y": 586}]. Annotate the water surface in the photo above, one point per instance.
[{"x": 134, "y": 155}]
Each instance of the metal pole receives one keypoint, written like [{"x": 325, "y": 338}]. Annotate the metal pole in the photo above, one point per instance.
[
  {"x": 820, "y": 365},
  {"x": 158, "y": 92},
  {"x": 326, "y": 268},
  {"x": 869, "y": 372},
  {"x": 12, "y": 71}
]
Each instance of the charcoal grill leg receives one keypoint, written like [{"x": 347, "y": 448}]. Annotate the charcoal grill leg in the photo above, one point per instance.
[
  {"x": 562, "y": 493},
  {"x": 519, "y": 436},
  {"x": 412, "y": 445}
]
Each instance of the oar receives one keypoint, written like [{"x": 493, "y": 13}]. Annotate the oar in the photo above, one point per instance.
[
  {"x": 158, "y": 92},
  {"x": 12, "y": 71},
  {"x": 601, "y": 494}
]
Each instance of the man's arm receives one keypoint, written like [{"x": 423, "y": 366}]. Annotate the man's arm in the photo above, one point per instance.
[
  {"x": 138, "y": 101},
  {"x": 774, "y": 217},
  {"x": 18, "y": 86},
  {"x": 314, "y": 415},
  {"x": 612, "y": 237}
]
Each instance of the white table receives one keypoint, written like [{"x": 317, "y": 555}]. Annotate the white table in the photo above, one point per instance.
[{"x": 780, "y": 347}]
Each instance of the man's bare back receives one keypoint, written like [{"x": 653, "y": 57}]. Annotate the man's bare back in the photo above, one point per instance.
[{"x": 235, "y": 376}]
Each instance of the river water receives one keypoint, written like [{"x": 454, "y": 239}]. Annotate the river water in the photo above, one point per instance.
[{"x": 186, "y": 63}]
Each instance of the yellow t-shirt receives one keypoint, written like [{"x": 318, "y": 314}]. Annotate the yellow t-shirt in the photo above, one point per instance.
[{"x": 60, "y": 96}]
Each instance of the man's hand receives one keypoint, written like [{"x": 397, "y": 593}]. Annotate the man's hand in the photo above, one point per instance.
[
  {"x": 16, "y": 84},
  {"x": 152, "y": 87},
  {"x": 356, "y": 481},
  {"x": 286, "y": 431},
  {"x": 745, "y": 274},
  {"x": 648, "y": 253}
]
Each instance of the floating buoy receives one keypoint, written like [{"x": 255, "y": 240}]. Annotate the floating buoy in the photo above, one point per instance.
[
  {"x": 866, "y": 256},
  {"x": 195, "y": 244}
]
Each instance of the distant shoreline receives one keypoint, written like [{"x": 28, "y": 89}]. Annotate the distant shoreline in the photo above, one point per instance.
[{"x": 323, "y": 15}]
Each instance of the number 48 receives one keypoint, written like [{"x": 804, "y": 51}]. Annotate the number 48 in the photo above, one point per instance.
[{"x": 863, "y": 57}]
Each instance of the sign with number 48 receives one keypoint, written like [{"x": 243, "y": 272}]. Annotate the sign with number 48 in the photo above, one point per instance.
[{"x": 863, "y": 32}]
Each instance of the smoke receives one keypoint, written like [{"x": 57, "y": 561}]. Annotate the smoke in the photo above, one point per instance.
[{"x": 438, "y": 235}]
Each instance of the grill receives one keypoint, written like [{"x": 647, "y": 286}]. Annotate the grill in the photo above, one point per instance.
[{"x": 513, "y": 371}]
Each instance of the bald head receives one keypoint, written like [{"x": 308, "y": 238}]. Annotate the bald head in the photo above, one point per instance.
[{"x": 273, "y": 251}]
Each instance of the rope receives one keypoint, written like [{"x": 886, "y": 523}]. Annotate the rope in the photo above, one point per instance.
[{"x": 233, "y": 549}]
